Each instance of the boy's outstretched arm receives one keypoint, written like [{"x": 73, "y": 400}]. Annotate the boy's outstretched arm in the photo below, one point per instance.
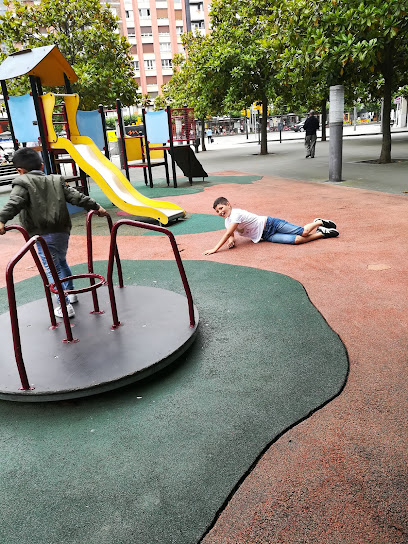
[{"x": 229, "y": 235}]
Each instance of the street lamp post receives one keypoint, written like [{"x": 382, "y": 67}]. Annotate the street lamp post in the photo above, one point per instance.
[{"x": 336, "y": 113}]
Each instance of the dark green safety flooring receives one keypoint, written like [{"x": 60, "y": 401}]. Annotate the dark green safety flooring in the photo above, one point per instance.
[
  {"x": 161, "y": 189},
  {"x": 153, "y": 463},
  {"x": 192, "y": 224}
]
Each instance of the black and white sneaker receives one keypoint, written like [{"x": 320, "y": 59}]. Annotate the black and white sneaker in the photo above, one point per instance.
[
  {"x": 328, "y": 223},
  {"x": 328, "y": 233}
]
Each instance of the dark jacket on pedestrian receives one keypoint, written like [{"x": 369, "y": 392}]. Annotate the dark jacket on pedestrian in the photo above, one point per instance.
[
  {"x": 40, "y": 200},
  {"x": 311, "y": 125}
]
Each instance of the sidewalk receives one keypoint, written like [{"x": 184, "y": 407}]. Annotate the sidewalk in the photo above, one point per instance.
[{"x": 287, "y": 159}]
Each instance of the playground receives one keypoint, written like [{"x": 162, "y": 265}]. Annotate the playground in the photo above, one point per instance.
[{"x": 284, "y": 421}]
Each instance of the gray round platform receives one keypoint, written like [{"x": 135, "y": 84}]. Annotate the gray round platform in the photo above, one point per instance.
[{"x": 155, "y": 331}]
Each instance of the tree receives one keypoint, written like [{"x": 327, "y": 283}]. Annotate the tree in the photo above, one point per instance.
[
  {"x": 359, "y": 44},
  {"x": 190, "y": 84},
  {"x": 235, "y": 65},
  {"x": 247, "y": 53},
  {"x": 159, "y": 103},
  {"x": 86, "y": 33},
  {"x": 146, "y": 101}
]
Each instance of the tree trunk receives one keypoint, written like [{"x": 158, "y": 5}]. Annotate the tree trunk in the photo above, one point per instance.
[
  {"x": 324, "y": 118},
  {"x": 203, "y": 148},
  {"x": 264, "y": 123},
  {"x": 387, "y": 71}
]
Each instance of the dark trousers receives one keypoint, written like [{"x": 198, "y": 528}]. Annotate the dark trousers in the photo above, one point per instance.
[{"x": 310, "y": 144}]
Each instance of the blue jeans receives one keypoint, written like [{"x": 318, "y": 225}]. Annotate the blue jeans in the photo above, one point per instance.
[
  {"x": 280, "y": 231},
  {"x": 58, "y": 245}
]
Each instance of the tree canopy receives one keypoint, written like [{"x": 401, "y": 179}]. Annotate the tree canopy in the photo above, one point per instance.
[
  {"x": 232, "y": 67},
  {"x": 291, "y": 52},
  {"x": 361, "y": 45},
  {"x": 86, "y": 33}
]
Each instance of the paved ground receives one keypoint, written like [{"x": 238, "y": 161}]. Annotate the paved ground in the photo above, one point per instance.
[{"x": 340, "y": 476}]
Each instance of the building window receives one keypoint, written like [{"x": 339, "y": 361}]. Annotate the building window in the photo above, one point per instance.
[
  {"x": 148, "y": 48},
  {"x": 136, "y": 65},
  {"x": 128, "y": 13},
  {"x": 179, "y": 30},
  {"x": 146, "y": 31},
  {"x": 166, "y": 63},
  {"x": 165, "y": 46},
  {"x": 144, "y": 12},
  {"x": 149, "y": 64},
  {"x": 131, "y": 31}
]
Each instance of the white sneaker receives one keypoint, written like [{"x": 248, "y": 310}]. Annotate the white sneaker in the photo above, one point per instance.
[
  {"x": 70, "y": 310},
  {"x": 73, "y": 298}
]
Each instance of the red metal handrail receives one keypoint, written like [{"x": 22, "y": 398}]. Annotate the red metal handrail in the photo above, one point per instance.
[
  {"x": 29, "y": 246},
  {"x": 40, "y": 269},
  {"x": 113, "y": 247},
  {"x": 89, "y": 217}
]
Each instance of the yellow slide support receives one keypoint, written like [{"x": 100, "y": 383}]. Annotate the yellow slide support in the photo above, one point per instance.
[{"x": 104, "y": 173}]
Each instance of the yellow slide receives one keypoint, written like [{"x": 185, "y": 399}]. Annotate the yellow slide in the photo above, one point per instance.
[{"x": 105, "y": 174}]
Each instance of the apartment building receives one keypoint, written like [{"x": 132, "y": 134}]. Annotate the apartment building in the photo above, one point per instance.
[{"x": 153, "y": 28}]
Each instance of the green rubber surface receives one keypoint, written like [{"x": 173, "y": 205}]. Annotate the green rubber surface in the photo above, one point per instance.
[
  {"x": 192, "y": 224},
  {"x": 154, "y": 462},
  {"x": 161, "y": 190}
]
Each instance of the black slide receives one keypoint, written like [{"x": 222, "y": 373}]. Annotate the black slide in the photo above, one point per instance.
[{"x": 186, "y": 160}]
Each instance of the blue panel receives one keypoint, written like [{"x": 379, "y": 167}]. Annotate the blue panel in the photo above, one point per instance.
[
  {"x": 157, "y": 128},
  {"x": 23, "y": 116},
  {"x": 89, "y": 124}
]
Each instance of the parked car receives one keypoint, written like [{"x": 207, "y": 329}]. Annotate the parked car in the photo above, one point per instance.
[{"x": 298, "y": 127}]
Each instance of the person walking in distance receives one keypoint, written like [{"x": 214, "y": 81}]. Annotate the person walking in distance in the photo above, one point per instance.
[{"x": 311, "y": 126}]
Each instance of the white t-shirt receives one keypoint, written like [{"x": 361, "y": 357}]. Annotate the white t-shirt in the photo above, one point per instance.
[{"x": 250, "y": 225}]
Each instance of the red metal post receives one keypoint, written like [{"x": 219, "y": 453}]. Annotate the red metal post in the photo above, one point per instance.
[
  {"x": 179, "y": 262},
  {"x": 28, "y": 246},
  {"x": 41, "y": 271},
  {"x": 90, "y": 260},
  {"x": 58, "y": 284}
]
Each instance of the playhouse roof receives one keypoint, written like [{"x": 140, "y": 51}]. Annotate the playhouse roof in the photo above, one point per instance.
[{"x": 47, "y": 63}]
